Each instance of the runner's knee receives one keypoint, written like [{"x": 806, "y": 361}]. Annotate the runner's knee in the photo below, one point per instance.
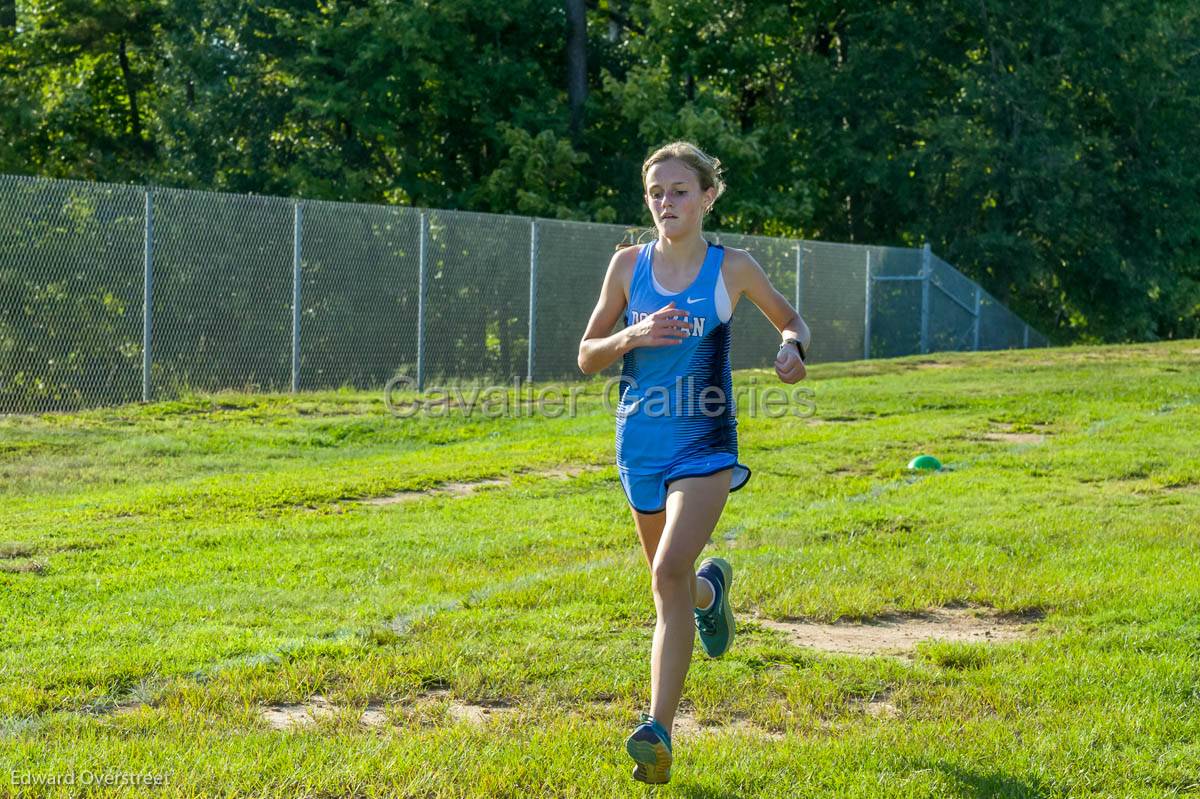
[{"x": 672, "y": 572}]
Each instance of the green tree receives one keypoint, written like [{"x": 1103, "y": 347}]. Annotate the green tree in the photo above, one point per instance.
[{"x": 1044, "y": 148}]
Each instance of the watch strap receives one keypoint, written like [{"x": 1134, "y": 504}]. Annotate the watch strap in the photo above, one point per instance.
[{"x": 799, "y": 347}]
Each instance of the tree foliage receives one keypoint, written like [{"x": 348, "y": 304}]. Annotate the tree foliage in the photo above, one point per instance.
[{"x": 1046, "y": 148}]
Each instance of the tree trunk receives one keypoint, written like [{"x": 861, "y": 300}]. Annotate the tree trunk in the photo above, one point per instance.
[
  {"x": 576, "y": 62},
  {"x": 843, "y": 55},
  {"x": 616, "y": 9},
  {"x": 135, "y": 120}
]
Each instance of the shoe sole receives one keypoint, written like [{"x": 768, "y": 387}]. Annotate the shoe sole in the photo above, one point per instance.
[
  {"x": 653, "y": 761},
  {"x": 727, "y": 609}
]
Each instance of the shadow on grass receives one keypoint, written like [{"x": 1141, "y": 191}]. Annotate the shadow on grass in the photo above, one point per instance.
[
  {"x": 967, "y": 783},
  {"x": 980, "y": 783},
  {"x": 710, "y": 792}
]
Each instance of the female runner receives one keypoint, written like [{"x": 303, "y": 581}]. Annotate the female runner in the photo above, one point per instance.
[{"x": 676, "y": 429}]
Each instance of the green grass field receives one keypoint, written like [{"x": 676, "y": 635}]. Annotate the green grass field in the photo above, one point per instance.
[{"x": 169, "y": 572}]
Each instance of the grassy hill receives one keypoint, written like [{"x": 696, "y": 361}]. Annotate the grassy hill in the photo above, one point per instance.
[{"x": 311, "y": 596}]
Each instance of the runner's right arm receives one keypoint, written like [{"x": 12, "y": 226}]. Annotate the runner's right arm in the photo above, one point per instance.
[{"x": 600, "y": 347}]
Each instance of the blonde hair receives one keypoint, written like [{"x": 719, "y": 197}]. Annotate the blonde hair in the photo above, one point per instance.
[{"x": 707, "y": 169}]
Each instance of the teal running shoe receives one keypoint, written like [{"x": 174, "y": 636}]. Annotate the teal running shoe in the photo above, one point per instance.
[
  {"x": 650, "y": 747},
  {"x": 716, "y": 624}
]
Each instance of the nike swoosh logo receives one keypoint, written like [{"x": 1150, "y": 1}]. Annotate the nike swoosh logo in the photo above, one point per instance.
[{"x": 697, "y": 299}]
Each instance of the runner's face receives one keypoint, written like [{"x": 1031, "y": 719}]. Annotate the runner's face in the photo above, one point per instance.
[{"x": 674, "y": 198}]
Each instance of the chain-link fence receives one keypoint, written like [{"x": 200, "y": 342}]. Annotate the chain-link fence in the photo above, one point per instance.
[{"x": 113, "y": 294}]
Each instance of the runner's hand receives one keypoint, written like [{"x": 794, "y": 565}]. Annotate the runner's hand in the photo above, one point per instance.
[
  {"x": 668, "y": 325},
  {"x": 788, "y": 365}
]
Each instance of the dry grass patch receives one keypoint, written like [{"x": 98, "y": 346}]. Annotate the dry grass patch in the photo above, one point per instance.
[
  {"x": 23, "y": 567},
  {"x": 16, "y": 549}
]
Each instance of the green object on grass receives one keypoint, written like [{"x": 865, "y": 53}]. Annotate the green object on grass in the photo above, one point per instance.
[{"x": 925, "y": 463}]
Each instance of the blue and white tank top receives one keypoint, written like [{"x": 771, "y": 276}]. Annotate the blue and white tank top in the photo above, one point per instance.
[{"x": 664, "y": 391}]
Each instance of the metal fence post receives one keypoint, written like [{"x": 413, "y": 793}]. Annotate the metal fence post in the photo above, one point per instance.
[
  {"x": 423, "y": 258},
  {"x": 867, "y": 312},
  {"x": 297, "y": 227},
  {"x": 1026, "y": 342},
  {"x": 147, "y": 294},
  {"x": 926, "y": 268},
  {"x": 799, "y": 275},
  {"x": 533, "y": 270},
  {"x": 978, "y": 305}
]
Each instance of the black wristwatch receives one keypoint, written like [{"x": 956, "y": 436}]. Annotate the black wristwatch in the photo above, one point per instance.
[{"x": 799, "y": 348}]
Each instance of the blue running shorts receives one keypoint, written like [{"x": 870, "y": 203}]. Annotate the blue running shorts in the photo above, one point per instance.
[{"x": 647, "y": 493}]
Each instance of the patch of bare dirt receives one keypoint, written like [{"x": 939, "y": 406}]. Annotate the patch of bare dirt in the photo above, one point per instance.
[
  {"x": 462, "y": 489},
  {"x": 128, "y": 707},
  {"x": 686, "y": 727},
  {"x": 880, "y": 709},
  {"x": 124, "y": 707},
  {"x": 451, "y": 489},
  {"x": 879, "y": 705},
  {"x": 568, "y": 471},
  {"x": 1016, "y": 438},
  {"x": 291, "y": 716},
  {"x": 856, "y": 470},
  {"x": 318, "y": 708},
  {"x": 467, "y": 712},
  {"x": 897, "y": 634},
  {"x": 1011, "y": 434},
  {"x": 436, "y": 707},
  {"x": 374, "y": 716}
]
